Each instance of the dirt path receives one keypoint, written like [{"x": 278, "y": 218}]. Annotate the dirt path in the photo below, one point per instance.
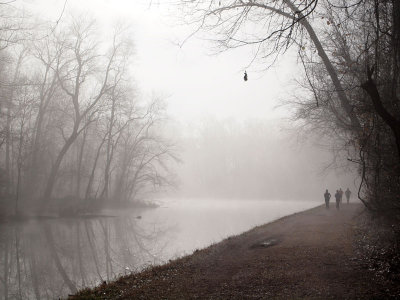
[{"x": 309, "y": 255}]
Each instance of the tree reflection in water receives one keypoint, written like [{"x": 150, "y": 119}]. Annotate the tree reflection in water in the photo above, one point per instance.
[{"x": 53, "y": 258}]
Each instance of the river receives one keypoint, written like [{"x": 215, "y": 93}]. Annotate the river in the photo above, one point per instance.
[{"x": 49, "y": 259}]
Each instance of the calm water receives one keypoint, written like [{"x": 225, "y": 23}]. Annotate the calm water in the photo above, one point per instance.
[{"x": 53, "y": 258}]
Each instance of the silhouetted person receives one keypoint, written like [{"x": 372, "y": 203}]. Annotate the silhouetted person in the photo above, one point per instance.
[
  {"x": 245, "y": 76},
  {"x": 337, "y": 196},
  {"x": 327, "y": 197},
  {"x": 347, "y": 193},
  {"x": 341, "y": 194}
]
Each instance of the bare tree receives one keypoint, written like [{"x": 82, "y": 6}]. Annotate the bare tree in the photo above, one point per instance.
[
  {"x": 353, "y": 95},
  {"x": 15, "y": 26},
  {"x": 274, "y": 25},
  {"x": 77, "y": 66},
  {"x": 360, "y": 41},
  {"x": 145, "y": 154},
  {"x": 47, "y": 88},
  {"x": 23, "y": 114},
  {"x": 65, "y": 110},
  {"x": 9, "y": 115}
]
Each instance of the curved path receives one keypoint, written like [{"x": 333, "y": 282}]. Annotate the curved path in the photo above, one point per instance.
[{"x": 308, "y": 255}]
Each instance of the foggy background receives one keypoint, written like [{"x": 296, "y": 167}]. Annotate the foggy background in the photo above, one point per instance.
[
  {"x": 126, "y": 142},
  {"x": 256, "y": 159},
  {"x": 234, "y": 137},
  {"x": 215, "y": 135}
]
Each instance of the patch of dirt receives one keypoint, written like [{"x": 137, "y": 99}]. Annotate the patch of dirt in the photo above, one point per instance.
[{"x": 308, "y": 255}]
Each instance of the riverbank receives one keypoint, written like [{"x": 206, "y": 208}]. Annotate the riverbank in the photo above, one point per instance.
[
  {"x": 103, "y": 211},
  {"x": 312, "y": 254}
]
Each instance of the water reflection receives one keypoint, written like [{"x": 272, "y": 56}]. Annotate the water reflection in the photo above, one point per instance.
[
  {"x": 54, "y": 258},
  {"x": 49, "y": 259}
]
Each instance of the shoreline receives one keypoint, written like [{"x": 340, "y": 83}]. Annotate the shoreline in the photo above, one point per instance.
[{"x": 308, "y": 254}]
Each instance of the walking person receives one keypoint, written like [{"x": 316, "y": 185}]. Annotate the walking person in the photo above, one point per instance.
[
  {"x": 341, "y": 195},
  {"x": 337, "y": 196},
  {"x": 327, "y": 197},
  {"x": 347, "y": 193}
]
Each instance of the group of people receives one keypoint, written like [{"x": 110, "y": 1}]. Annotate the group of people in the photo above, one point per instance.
[{"x": 338, "y": 197}]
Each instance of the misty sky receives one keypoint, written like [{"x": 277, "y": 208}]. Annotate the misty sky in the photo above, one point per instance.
[
  {"x": 195, "y": 82},
  {"x": 199, "y": 85}
]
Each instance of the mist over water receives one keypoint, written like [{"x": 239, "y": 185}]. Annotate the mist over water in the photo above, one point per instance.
[
  {"x": 48, "y": 259},
  {"x": 102, "y": 175}
]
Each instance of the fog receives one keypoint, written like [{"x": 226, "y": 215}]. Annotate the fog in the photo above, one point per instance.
[
  {"x": 256, "y": 159},
  {"x": 125, "y": 144},
  {"x": 111, "y": 104}
]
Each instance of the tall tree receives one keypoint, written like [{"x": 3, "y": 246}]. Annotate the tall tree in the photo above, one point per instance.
[
  {"x": 77, "y": 63},
  {"x": 275, "y": 26}
]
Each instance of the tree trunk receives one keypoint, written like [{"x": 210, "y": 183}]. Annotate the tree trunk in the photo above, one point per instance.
[
  {"x": 80, "y": 156},
  {"x": 120, "y": 181},
  {"x": 45, "y": 97},
  {"x": 104, "y": 193},
  {"x": 19, "y": 167},
  {"x": 344, "y": 101},
  {"x": 55, "y": 168},
  {"x": 91, "y": 178},
  {"x": 370, "y": 87},
  {"x": 8, "y": 121}
]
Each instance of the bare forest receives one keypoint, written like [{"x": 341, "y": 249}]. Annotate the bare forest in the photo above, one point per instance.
[
  {"x": 99, "y": 178},
  {"x": 75, "y": 135},
  {"x": 349, "y": 91},
  {"x": 73, "y": 125}
]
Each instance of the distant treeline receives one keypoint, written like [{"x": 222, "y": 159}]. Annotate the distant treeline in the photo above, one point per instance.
[
  {"x": 74, "y": 135},
  {"x": 255, "y": 160}
]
